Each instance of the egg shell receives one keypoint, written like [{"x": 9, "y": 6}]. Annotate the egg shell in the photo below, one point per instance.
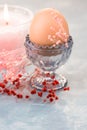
[{"x": 49, "y": 27}]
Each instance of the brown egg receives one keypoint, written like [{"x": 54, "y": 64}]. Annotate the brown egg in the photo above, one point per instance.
[{"x": 49, "y": 27}]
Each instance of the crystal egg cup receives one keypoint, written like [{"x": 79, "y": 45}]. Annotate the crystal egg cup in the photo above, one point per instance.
[{"x": 48, "y": 59}]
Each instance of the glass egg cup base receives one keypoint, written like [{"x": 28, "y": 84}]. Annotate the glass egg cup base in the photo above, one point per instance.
[{"x": 49, "y": 80}]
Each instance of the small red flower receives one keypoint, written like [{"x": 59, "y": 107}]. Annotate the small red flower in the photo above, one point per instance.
[
  {"x": 16, "y": 80},
  {"x": 33, "y": 91},
  {"x": 47, "y": 74},
  {"x": 2, "y": 85},
  {"x": 51, "y": 91},
  {"x": 6, "y": 90},
  {"x": 13, "y": 82},
  {"x": 51, "y": 99},
  {"x": 40, "y": 94},
  {"x": 19, "y": 75},
  {"x": 27, "y": 96},
  {"x": 13, "y": 92},
  {"x": 54, "y": 95},
  {"x": 1, "y": 91},
  {"x": 44, "y": 83},
  {"x": 19, "y": 96},
  {"x": 49, "y": 95},
  {"x": 56, "y": 98},
  {"x": 55, "y": 82},
  {"x": 17, "y": 85},
  {"x": 9, "y": 93},
  {"x": 5, "y": 81},
  {"x": 66, "y": 89},
  {"x": 44, "y": 89}
]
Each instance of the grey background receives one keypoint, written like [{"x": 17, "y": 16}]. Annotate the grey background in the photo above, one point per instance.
[{"x": 70, "y": 113}]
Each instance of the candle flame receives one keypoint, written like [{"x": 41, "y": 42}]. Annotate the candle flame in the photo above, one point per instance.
[{"x": 6, "y": 14}]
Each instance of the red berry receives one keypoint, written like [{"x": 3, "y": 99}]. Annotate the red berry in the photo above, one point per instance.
[
  {"x": 53, "y": 95},
  {"x": 6, "y": 90},
  {"x": 66, "y": 89},
  {"x": 13, "y": 92},
  {"x": 19, "y": 75},
  {"x": 26, "y": 96},
  {"x": 2, "y": 85},
  {"x": 47, "y": 96},
  {"x": 13, "y": 82},
  {"x": 40, "y": 94},
  {"x": 19, "y": 96},
  {"x": 5, "y": 81},
  {"x": 9, "y": 93},
  {"x": 53, "y": 76},
  {"x": 47, "y": 74},
  {"x": 55, "y": 82},
  {"x": 0, "y": 91},
  {"x": 50, "y": 91},
  {"x": 44, "y": 89},
  {"x": 33, "y": 91},
  {"x": 9, "y": 78},
  {"x": 44, "y": 83},
  {"x": 56, "y": 98},
  {"x": 16, "y": 80},
  {"x": 51, "y": 99},
  {"x": 17, "y": 85}
]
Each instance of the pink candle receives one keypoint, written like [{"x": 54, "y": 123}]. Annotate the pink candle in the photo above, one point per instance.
[{"x": 14, "y": 25}]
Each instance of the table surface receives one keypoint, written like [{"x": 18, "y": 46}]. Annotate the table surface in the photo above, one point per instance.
[{"x": 70, "y": 112}]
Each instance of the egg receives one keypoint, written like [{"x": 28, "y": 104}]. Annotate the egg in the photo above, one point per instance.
[{"x": 49, "y": 27}]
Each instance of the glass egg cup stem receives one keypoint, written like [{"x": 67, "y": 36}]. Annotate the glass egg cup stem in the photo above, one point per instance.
[{"x": 47, "y": 79}]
